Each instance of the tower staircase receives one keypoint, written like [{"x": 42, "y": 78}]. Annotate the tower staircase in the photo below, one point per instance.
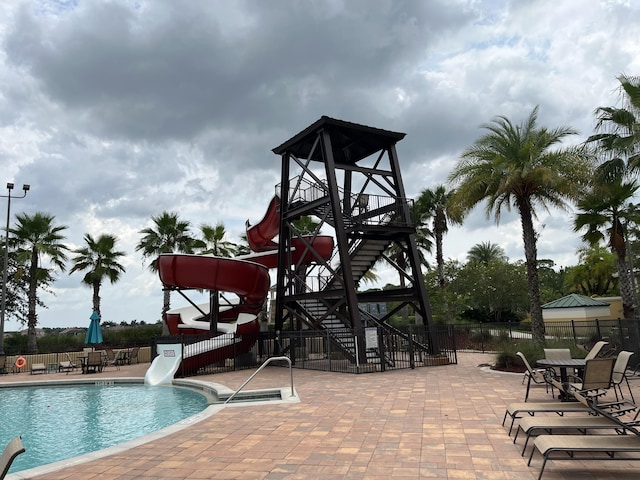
[{"x": 367, "y": 214}]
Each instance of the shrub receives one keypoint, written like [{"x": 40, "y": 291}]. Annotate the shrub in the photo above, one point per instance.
[{"x": 506, "y": 356}]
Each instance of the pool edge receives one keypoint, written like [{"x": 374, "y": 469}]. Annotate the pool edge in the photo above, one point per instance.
[{"x": 208, "y": 412}]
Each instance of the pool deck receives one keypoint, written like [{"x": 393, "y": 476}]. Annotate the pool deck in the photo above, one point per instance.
[{"x": 432, "y": 422}]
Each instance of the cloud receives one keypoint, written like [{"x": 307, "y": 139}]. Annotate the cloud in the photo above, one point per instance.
[{"x": 115, "y": 111}]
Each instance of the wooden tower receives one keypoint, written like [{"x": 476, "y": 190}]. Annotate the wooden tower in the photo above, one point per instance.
[{"x": 346, "y": 177}]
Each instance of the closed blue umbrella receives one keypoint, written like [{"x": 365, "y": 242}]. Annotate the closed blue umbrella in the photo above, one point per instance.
[{"x": 94, "y": 334}]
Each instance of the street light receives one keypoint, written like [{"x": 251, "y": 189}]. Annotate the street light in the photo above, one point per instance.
[{"x": 25, "y": 189}]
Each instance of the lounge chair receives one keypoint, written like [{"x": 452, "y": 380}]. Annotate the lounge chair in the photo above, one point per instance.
[
  {"x": 515, "y": 409},
  {"x": 11, "y": 451},
  {"x": 38, "y": 368},
  {"x": 569, "y": 445},
  {"x": 113, "y": 358},
  {"x": 536, "y": 375},
  {"x": 595, "y": 350},
  {"x": 67, "y": 365},
  {"x": 531, "y": 425},
  {"x": 619, "y": 374}
]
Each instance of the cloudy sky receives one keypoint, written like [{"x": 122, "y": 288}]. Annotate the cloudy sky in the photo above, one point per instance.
[{"x": 114, "y": 111}]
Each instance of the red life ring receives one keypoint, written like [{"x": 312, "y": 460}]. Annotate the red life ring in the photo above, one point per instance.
[{"x": 20, "y": 362}]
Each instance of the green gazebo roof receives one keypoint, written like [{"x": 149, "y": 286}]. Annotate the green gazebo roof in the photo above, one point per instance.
[{"x": 574, "y": 300}]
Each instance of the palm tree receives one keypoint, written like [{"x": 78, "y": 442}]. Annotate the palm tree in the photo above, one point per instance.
[
  {"x": 213, "y": 242},
  {"x": 305, "y": 225},
  {"x": 169, "y": 234},
  {"x": 37, "y": 238},
  {"x": 619, "y": 131},
  {"x": 515, "y": 166},
  {"x": 486, "y": 252},
  {"x": 434, "y": 204},
  {"x": 605, "y": 212},
  {"x": 594, "y": 274},
  {"x": 396, "y": 254},
  {"x": 100, "y": 260},
  {"x": 243, "y": 248}
]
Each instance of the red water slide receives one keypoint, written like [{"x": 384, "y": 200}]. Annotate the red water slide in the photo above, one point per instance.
[
  {"x": 246, "y": 276},
  {"x": 260, "y": 238}
]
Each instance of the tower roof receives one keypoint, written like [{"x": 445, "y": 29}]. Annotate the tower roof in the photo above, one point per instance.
[{"x": 350, "y": 142}]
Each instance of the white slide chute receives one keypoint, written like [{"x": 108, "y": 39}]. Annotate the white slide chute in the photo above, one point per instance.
[{"x": 165, "y": 365}]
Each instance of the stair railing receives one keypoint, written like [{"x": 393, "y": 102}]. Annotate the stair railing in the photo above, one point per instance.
[{"x": 267, "y": 362}]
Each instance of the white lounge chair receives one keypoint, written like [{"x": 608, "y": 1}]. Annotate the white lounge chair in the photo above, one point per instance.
[
  {"x": 11, "y": 451},
  {"x": 595, "y": 350},
  {"x": 531, "y": 408},
  {"x": 569, "y": 445}
]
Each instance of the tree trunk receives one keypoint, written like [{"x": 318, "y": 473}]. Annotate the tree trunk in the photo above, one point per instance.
[
  {"x": 626, "y": 287},
  {"x": 440, "y": 258},
  {"x": 32, "y": 318},
  {"x": 531, "y": 259},
  {"x": 96, "y": 298},
  {"x": 165, "y": 307}
]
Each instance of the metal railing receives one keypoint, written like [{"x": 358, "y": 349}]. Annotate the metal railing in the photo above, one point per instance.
[{"x": 267, "y": 362}]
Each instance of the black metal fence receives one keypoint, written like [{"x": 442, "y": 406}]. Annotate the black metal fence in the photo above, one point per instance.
[
  {"x": 486, "y": 337},
  {"x": 316, "y": 350}
]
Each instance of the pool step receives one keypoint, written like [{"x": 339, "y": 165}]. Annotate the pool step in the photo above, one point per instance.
[{"x": 261, "y": 396}]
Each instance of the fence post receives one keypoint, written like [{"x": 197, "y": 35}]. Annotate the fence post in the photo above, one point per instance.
[
  {"x": 292, "y": 348},
  {"x": 412, "y": 362},
  {"x": 329, "y": 350},
  {"x": 598, "y": 328},
  {"x": 622, "y": 345},
  {"x": 573, "y": 331},
  {"x": 381, "y": 349}
]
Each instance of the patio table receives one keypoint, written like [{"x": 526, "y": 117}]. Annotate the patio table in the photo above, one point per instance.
[{"x": 562, "y": 365}]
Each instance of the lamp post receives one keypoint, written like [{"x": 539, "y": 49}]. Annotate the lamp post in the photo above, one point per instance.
[{"x": 25, "y": 189}]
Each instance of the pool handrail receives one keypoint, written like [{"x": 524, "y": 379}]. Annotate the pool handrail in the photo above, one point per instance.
[{"x": 266, "y": 362}]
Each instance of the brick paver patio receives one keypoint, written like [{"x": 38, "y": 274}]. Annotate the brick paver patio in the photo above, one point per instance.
[{"x": 433, "y": 422}]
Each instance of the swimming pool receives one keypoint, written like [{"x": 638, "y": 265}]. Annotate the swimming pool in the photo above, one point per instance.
[{"x": 58, "y": 422}]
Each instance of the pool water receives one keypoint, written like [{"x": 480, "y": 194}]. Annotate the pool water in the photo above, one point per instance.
[{"x": 59, "y": 422}]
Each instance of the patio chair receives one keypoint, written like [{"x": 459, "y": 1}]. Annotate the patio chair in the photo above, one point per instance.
[
  {"x": 133, "y": 355},
  {"x": 596, "y": 381},
  {"x": 536, "y": 375},
  {"x": 595, "y": 350},
  {"x": 557, "y": 354},
  {"x": 3, "y": 364},
  {"x": 112, "y": 358},
  {"x": 619, "y": 374},
  {"x": 93, "y": 363},
  {"x": 67, "y": 365},
  {"x": 11, "y": 451}
]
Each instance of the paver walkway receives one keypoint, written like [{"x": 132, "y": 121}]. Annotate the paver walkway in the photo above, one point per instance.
[{"x": 433, "y": 422}]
